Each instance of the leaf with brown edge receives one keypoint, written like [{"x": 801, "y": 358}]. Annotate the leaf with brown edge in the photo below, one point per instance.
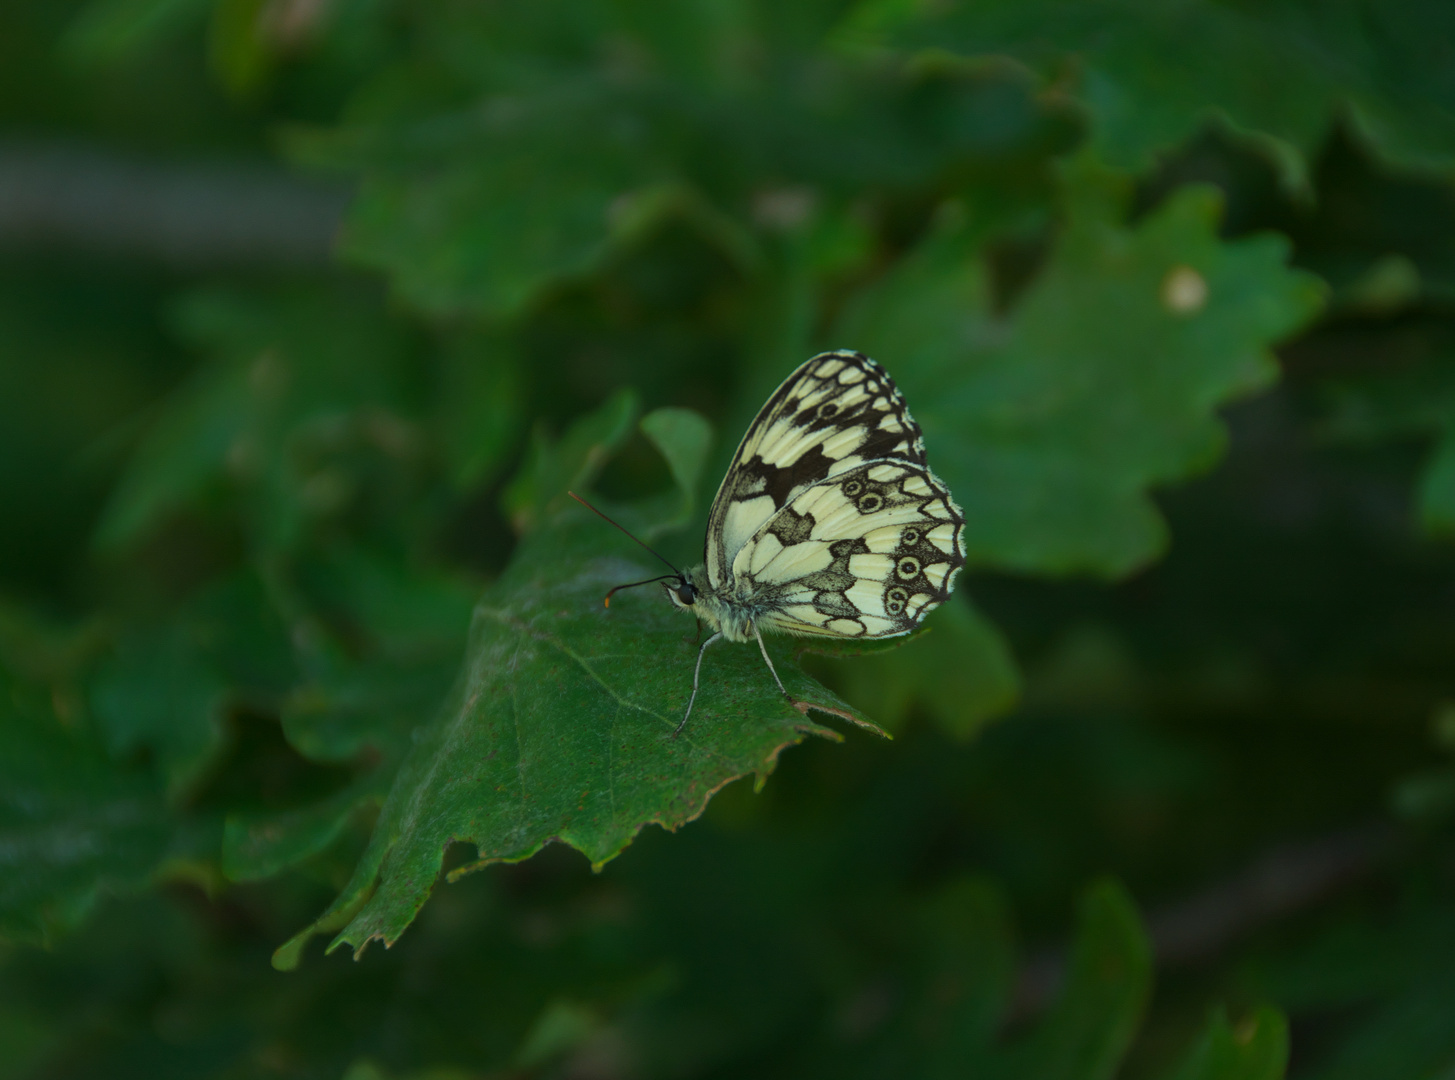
[{"x": 559, "y": 728}]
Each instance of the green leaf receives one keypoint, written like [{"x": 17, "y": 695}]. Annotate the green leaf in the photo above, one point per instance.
[
  {"x": 959, "y": 670},
  {"x": 1257, "y": 1049},
  {"x": 560, "y": 729},
  {"x": 1407, "y": 402},
  {"x": 482, "y": 211},
  {"x": 683, "y": 438},
  {"x": 553, "y": 468},
  {"x": 162, "y": 691},
  {"x": 1390, "y": 284},
  {"x": 1407, "y": 1034},
  {"x": 479, "y": 408},
  {"x": 301, "y": 408},
  {"x": 109, "y": 30},
  {"x": 72, "y": 827},
  {"x": 1436, "y": 493},
  {"x": 561, "y": 1027},
  {"x": 507, "y": 158},
  {"x": 1087, "y": 1032},
  {"x": 501, "y": 159},
  {"x": 1425, "y": 795},
  {"x": 186, "y": 448},
  {"x": 258, "y": 846},
  {"x": 405, "y": 630},
  {"x": 169, "y": 685},
  {"x": 966, "y": 936},
  {"x": 1051, "y": 424},
  {"x": 240, "y": 50},
  {"x": 967, "y": 982},
  {"x": 39, "y": 651},
  {"x": 348, "y": 710},
  {"x": 1150, "y": 74}
]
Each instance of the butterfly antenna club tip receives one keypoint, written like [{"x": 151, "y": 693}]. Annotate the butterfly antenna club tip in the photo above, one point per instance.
[{"x": 617, "y": 588}]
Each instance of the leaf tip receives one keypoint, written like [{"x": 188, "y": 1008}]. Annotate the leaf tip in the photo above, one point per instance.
[{"x": 287, "y": 956}]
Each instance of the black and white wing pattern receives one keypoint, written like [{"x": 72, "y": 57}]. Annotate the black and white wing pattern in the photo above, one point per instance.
[
  {"x": 835, "y": 413},
  {"x": 829, "y": 521},
  {"x": 866, "y": 553}
]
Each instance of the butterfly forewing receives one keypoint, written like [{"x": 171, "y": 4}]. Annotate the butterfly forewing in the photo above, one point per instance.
[
  {"x": 835, "y": 413},
  {"x": 866, "y": 553}
]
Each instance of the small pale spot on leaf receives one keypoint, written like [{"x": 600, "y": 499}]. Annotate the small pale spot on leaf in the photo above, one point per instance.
[{"x": 1184, "y": 291}]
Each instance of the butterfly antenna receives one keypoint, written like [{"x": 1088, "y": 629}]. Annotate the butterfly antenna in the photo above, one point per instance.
[
  {"x": 633, "y": 585},
  {"x": 675, "y": 572}
]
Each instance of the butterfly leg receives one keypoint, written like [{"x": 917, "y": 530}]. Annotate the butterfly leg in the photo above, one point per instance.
[
  {"x": 695, "y": 672},
  {"x": 759, "y": 635}
]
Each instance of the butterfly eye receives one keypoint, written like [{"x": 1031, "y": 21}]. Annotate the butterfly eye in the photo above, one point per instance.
[
  {"x": 687, "y": 593},
  {"x": 908, "y": 568},
  {"x": 870, "y": 503}
]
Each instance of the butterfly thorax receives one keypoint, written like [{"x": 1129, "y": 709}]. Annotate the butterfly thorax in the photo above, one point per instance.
[{"x": 731, "y": 611}]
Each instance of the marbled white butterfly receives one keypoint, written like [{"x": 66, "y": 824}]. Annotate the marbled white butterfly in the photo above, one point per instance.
[{"x": 828, "y": 521}]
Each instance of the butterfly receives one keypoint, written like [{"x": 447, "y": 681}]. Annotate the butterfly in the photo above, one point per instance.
[{"x": 828, "y": 523}]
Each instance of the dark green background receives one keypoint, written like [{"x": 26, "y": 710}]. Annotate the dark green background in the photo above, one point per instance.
[{"x": 311, "y": 311}]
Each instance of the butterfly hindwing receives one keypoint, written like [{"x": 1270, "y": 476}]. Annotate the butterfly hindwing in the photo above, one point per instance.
[
  {"x": 836, "y": 412},
  {"x": 866, "y": 553}
]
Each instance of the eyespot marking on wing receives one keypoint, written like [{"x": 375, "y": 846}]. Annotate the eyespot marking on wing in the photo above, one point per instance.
[{"x": 892, "y": 564}]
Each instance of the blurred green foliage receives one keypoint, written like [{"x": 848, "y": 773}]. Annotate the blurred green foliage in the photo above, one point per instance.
[{"x": 299, "y": 630}]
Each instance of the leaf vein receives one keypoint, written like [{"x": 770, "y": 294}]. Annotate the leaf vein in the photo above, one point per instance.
[{"x": 550, "y": 639}]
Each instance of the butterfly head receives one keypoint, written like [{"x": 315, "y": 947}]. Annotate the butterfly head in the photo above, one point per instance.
[
  {"x": 681, "y": 591},
  {"x": 679, "y": 586}
]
